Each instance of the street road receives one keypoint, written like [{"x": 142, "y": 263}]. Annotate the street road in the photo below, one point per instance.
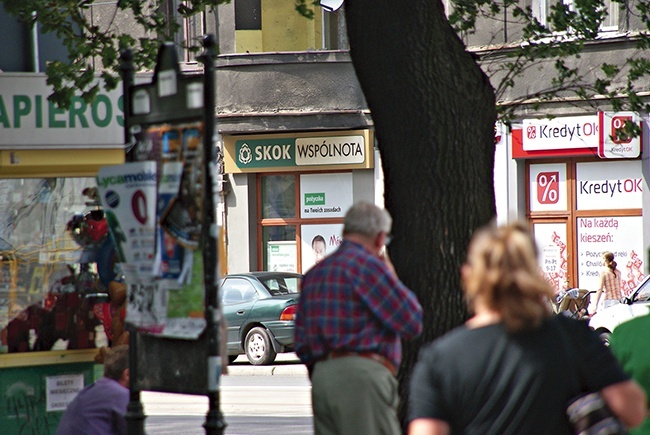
[{"x": 254, "y": 401}]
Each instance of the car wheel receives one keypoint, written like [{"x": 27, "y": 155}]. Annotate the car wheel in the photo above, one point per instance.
[{"x": 259, "y": 349}]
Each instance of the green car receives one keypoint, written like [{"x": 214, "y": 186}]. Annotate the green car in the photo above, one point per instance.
[{"x": 259, "y": 308}]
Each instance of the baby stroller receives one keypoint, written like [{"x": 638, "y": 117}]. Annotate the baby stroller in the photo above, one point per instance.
[{"x": 573, "y": 303}]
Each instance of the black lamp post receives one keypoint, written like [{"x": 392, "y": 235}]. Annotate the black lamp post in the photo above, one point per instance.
[{"x": 214, "y": 421}]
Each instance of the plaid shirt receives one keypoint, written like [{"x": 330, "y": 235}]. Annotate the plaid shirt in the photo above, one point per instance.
[{"x": 350, "y": 301}]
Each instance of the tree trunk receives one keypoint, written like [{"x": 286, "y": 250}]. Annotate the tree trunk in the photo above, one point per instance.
[{"x": 434, "y": 115}]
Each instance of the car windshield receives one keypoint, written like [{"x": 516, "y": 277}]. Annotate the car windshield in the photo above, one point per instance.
[{"x": 282, "y": 285}]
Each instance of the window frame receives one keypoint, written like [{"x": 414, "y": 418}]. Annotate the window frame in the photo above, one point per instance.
[
  {"x": 295, "y": 220},
  {"x": 541, "y": 9}
]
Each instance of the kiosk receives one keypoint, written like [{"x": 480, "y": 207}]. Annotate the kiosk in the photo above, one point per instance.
[{"x": 52, "y": 241}]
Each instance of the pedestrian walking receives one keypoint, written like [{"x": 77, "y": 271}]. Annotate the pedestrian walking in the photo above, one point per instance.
[
  {"x": 513, "y": 368},
  {"x": 609, "y": 283},
  {"x": 353, "y": 312}
]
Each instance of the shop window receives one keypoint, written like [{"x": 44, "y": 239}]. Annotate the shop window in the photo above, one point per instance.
[
  {"x": 582, "y": 208},
  {"x": 280, "y": 253},
  {"x": 279, "y": 196},
  {"x": 55, "y": 264},
  {"x": 301, "y": 218}
]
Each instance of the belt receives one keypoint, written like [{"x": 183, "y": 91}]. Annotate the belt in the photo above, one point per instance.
[{"x": 370, "y": 355}]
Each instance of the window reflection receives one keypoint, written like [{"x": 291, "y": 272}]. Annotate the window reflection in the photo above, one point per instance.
[
  {"x": 52, "y": 231},
  {"x": 279, "y": 248},
  {"x": 278, "y": 196}
]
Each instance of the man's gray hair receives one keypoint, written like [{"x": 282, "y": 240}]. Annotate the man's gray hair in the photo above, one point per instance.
[
  {"x": 116, "y": 361},
  {"x": 367, "y": 219}
]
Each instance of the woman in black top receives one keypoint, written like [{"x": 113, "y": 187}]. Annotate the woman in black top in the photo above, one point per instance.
[{"x": 513, "y": 367}]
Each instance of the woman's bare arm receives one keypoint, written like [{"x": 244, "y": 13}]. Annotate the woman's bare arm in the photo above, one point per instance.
[
  {"x": 428, "y": 426},
  {"x": 627, "y": 401}
]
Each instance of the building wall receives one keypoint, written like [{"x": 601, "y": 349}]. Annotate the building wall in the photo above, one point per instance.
[
  {"x": 289, "y": 91},
  {"x": 282, "y": 29},
  {"x": 275, "y": 79},
  {"x": 492, "y": 42},
  {"x": 240, "y": 223},
  {"x": 21, "y": 47}
]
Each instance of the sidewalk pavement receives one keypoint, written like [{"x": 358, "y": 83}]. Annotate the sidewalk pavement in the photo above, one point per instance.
[{"x": 286, "y": 364}]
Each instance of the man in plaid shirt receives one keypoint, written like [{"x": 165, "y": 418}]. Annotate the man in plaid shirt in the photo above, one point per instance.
[{"x": 353, "y": 312}]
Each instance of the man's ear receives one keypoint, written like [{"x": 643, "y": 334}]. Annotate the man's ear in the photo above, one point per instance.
[
  {"x": 125, "y": 379},
  {"x": 380, "y": 241}
]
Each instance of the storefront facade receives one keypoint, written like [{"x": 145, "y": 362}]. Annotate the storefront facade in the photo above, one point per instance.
[
  {"x": 582, "y": 193},
  {"x": 298, "y": 187},
  {"x": 51, "y": 243},
  {"x": 298, "y": 149}
]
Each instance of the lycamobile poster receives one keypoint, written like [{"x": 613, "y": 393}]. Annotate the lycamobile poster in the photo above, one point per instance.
[{"x": 128, "y": 195}]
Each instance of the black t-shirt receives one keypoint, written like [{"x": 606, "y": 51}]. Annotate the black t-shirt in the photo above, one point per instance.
[{"x": 486, "y": 381}]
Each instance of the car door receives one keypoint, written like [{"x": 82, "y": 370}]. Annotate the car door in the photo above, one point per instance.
[{"x": 238, "y": 297}]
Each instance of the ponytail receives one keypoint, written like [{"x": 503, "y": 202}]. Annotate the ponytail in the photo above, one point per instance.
[{"x": 608, "y": 257}]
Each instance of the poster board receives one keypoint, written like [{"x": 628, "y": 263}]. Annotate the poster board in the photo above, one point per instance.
[
  {"x": 616, "y": 234},
  {"x": 318, "y": 241}
]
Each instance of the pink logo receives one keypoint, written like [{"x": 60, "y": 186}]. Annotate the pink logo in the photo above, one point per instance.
[
  {"x": 531, "y": 132},
  {"x": 618, "y": 129},
  {"x": 548, "y": 189}
]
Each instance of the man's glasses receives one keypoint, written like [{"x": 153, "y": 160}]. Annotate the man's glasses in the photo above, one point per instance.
[{"x": 389, "y": 238}]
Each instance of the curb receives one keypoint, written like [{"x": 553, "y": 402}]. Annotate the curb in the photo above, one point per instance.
[
  {"x": 282, "y": 370},
  {"x": 286, "y": 364}
]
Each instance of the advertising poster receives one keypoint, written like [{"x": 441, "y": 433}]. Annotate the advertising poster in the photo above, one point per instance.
[
  {"x": 61, "y": 390},
  {"x": 282, "y": 256},
  {"x": 182, "y": 217},
  {"x": 609, "y": 185},
  {"x": 325, "y": 195},
  {"x": 318, "y": 241},
  {"x": 177, "y": 270},
  {"x": 551, "y": 241},
  {"x": 619, "y": 235},
  {"x": 169, "y": 256},
  {"x": 128, "y": 195},
  {"x": 548, "y": 191}
]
